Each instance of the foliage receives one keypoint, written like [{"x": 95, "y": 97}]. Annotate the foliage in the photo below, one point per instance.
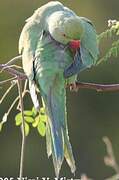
[
  {"x": 111, "y": 33},
  {"x": 33, "y": 118}
]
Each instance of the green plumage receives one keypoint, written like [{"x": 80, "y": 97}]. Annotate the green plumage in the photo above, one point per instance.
[
  {"x": 44, "y": 44},
  {"x": 49, "y": 66}
]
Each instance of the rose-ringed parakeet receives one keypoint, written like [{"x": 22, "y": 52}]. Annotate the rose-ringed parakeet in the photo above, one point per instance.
[{"x": 56, "y": 45}]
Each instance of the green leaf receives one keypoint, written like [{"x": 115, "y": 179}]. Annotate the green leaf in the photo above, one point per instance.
[
  {"x": 35, "y": 123},
  {"x": 43, "y": 118},
  {"x": 29, "y": 119},
  {"x": 41, "y": 128},
  {"x": 18, "y": 119},
  {"x": 27, "y": 129},
  {"x": 42, "y": 111},
  {"x": 34, "y": 112},
  {"x": 28, "y": 113}
]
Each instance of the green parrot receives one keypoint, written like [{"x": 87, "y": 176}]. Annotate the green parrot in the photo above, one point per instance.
[{"x": 56, "y": 45}]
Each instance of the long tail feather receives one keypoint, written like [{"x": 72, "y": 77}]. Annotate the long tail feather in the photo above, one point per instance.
[
  {"x": 57, "y": 140},
  {"x": 48, "y": 140},
  {"x": 69, "y": 155}
]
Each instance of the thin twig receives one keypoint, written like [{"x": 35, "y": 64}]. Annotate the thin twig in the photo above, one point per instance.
[
  {"x": 12, "y": 105},
  {"x": 12, "y": 71},
  {"x": 12, "y": 66},
  {"x": 110, "y": 159},
  {"x": 23, "y": 130},
  {"x": 23, "y": 94},
  {"x": 7, "y": 80},
  {"x": 9, "y": 89},
  {"x": 5, "y": 117},
  {"x": 13, "y": 60}
]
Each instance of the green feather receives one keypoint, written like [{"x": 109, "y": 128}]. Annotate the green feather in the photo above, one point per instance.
[
  {"x": 89, "y": 38},
  {"x": 44, "y": 62},
  {"x": 50, "y": 62}
]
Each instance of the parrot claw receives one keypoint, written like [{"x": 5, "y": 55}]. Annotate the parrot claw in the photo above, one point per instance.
[{"x": 73, "y": 87}]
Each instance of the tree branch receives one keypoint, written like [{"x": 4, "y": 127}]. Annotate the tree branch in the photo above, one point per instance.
[
  {"x": 12, "y": 71},
  {"x": 98, "y": 87},
  {"x": 80, "y": 85}
]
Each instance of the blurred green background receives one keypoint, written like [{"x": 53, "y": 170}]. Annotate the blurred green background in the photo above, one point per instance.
[{"x": 91, "y": 115}]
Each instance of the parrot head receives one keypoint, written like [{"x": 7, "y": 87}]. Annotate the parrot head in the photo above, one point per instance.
[{"x": 65, "y": 28}]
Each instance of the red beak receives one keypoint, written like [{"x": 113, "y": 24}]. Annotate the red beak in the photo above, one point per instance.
[{"x": 74, "y": 44}]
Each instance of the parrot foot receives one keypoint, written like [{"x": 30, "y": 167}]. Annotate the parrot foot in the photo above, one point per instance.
[{"x": 73, "y": 87}]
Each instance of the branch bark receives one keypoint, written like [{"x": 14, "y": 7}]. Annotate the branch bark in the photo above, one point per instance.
[
  {"x": 12, "y": 71},
  {"x": 98, "y": 87}
]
